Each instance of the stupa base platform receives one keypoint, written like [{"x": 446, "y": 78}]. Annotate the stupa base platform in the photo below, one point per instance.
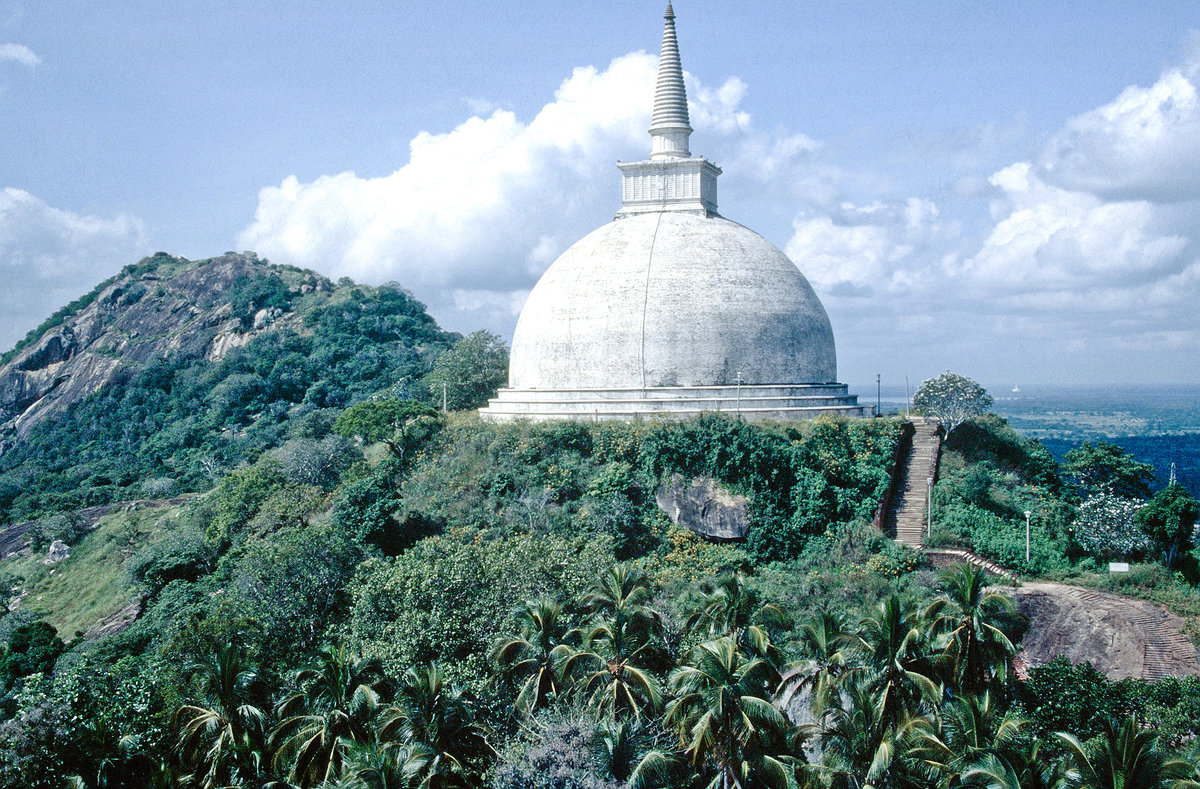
[{"x": 778, "y": 402}]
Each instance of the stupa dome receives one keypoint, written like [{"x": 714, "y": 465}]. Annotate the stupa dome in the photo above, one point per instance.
[
  {"x": 671, "y": 299},
  {"x": 671, "y": 309}
]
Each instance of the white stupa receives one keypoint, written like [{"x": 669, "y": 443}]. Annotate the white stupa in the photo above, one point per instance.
[{"x": 671, "y": 309}]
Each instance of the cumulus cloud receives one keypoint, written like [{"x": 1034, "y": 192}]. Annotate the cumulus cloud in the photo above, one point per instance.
[
  {"x": 19, "y": 53},
  {"x": 1073, "y": 261},
  {"x": 1144, "y": 145},
  {"x": 49, "y": 256},
  {"x": 477, "y": 213}
]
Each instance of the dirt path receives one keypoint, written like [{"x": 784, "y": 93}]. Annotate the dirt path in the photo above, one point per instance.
[{"x": 1120, "y": 636}]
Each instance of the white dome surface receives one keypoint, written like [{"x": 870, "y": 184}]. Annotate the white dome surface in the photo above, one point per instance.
[{"x": 671, "y": 299}]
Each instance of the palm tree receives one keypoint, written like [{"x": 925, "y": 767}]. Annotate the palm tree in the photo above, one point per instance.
[
  {"x": 330, "y": 708},
  {"x": 223, "y": 738},
  {"x": 433, "y": 730},
  {"x": 967, "y": 729},
  {"x": 726, "y": 721},
  {"x": 893, "y": 644},
  {"x": 728, "y": 606},
  {"x": 866, "y": 747},
  {"x": 1023, "y": 768},
  {"x": 824, "y": 643},
  {"x": 606, "y": 670},
  {"x": 967, "y": 617},
  {"x": 535, "y": 656},
  {"x": 374, "y": 767},
  {"x": 1125, "y": 756}
]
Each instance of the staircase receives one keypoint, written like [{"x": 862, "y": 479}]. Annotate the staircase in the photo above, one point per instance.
[
  {"x": 907, "y": 519},
  {"x": 944, "y": 557}
]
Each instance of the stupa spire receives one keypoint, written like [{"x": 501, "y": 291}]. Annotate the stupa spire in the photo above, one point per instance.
[
  {"x": 669, "y": 129},
  {"x": 671, "y": 179}
]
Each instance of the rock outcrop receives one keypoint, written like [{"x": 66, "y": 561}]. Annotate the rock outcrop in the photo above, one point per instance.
[
  {"x": 158, "y": 307},
  {"x": 706, "y": 507}
]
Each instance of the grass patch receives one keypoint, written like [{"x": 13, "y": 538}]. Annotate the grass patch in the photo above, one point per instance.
[{"x": 89, "y": 585}]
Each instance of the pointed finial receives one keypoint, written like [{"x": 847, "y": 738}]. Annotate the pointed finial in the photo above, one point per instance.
[{"x": 669, "y": 129}]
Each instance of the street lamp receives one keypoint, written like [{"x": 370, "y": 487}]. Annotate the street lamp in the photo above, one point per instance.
[
  {"x": 1027, "y": 514},
  {"x": 739, "y": 395}
]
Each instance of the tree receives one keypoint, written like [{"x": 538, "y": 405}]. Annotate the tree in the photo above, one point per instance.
[
  {"x": 607, "y": 670},
  {"x": 330, "y": 707},
  {"x": 726, "y": 719},
  {"x": 893, "y": 643},
  {"x": 824, "y": 642},
  {"x": 1106, "y": 527},
  {"x": 968, "y": 617},
  {"x": 533, "y": 658},
  {"x": 434, "y": 725},
  {"x": 952, "y": 399},
  {"x": 728, "y": 606},
  {"x": 1123, "y": 757},
  {"x": 1107, "y": 467},
  {"x": 223, "y": 738},
  {"x": 968, "y": 729},
  {"x": 470, "y": 372},
  {"x": 401, "y": 424},
  {"x": 1169, "y": 519}
]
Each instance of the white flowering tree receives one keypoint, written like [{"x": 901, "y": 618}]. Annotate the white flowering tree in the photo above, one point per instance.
[
  {"x": 951, "y": 399},
  {"x": 1107, "y": 527}
]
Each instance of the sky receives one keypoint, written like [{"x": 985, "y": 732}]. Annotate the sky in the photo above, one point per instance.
[{"x": 1009, "y": 190}]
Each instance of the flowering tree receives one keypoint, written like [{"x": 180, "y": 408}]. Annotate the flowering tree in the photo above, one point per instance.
[
  {"x": 951, "y": 399},
  {"x": 1106, "y": 527}
]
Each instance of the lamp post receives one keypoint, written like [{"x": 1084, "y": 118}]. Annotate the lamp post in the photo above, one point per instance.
[
  {"x": 929, "y": 507},
  {"x": 739, "y": 395},
  {"x": 878, "y": 398},
  {"x": 1027, "y": 514}
]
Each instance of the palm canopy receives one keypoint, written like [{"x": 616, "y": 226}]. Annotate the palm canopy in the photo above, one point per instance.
[
  {"x": 432, "y": 724},
  {"x": 224, "y": 736},
  {"x": 967, "y": 618},
  {"x": 727, "y": 724},
  {"x": 1125, "y": 756},
  {"x": 824, "y": 646},
  {"x": 610, "y": 670},
  {"x": 866, "y": 746},
  {"x": 892, "y": 643},
  {"x": 331, "y": 706},
  {"x": 966, "y": 730},
  {"x": 728, "y": 606},
  {"x": 533, "y": 659}
]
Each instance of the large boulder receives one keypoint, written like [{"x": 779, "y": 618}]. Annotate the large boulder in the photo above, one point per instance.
[
  {"x": 705, "y": 506},
  {"x": 59, "y": 550}
]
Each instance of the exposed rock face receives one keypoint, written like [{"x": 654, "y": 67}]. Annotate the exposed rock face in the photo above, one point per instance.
[
  {"x": 1121, "y": 637},
  {"x": 703, "y": 505},
  {"x": 160, "y": 306}
]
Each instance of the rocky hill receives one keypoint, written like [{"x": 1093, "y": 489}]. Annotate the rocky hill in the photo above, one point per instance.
[
  {"x": 174, "y": 369},
  {"x": 159, "y": 307}
]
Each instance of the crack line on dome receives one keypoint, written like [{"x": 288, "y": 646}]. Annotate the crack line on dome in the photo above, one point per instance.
[{"x": 646, "y": 300}]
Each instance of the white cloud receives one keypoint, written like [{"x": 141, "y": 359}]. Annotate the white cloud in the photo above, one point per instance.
[
  {"x": 1143, "y": 145},
  {"x": 19, "y": 53},
  {"x": 487, "y": 206},
  {"x": 49, "y": 256},
  {"x": 481, "y": 208}
]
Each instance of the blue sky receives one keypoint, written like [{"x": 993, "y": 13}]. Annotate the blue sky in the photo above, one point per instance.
[{"x": 1009, "y": 190}]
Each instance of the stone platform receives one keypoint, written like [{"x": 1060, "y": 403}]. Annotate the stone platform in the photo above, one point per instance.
[{"x": 781, "y": 402}]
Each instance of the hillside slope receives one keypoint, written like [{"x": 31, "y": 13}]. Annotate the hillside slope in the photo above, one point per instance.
[{"x": 176, "y": 369}]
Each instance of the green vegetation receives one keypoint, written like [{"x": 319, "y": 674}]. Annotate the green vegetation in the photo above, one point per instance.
[
  {"x": 362, "y": 591},
  {"x": 180, "y": 422}
]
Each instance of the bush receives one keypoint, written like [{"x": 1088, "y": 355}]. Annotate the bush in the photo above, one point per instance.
[
  {"x": 182, "y": 555},
  {"x": 447, "y": 599}
]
